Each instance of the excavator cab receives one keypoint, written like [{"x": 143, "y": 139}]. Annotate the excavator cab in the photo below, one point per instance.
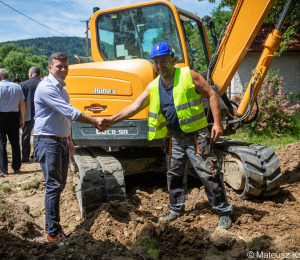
[{"x": 130, "y": 33}]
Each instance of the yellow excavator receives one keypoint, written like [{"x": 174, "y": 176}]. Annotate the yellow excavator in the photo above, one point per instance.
[{"x": 121, "y": 41}]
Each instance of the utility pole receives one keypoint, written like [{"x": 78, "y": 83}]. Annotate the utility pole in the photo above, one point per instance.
[
  {"x": 95, "y": 9},
  {"x": 87, "y": 40}
]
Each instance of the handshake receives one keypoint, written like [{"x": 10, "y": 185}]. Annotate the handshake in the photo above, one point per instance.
[{"x": 102, "y": 124}]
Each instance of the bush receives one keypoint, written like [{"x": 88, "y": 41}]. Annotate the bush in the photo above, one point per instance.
[{"x": 277, "y": 113}]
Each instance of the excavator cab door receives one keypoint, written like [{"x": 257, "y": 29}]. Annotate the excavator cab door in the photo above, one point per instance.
[{"x": 197, "y": 49}]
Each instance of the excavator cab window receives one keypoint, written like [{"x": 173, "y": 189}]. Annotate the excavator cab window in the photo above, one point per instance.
[
  {"x": 131, "y": 33},
  {"x": 196, "y": 47}
]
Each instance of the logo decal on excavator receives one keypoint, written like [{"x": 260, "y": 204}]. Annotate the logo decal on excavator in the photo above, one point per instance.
[{"x": 105, "y": 91}]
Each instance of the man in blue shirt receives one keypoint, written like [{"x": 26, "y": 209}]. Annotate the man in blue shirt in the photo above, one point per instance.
[
  {"x": 12, "y": 111},
  {"x": 52, "y": 141}
]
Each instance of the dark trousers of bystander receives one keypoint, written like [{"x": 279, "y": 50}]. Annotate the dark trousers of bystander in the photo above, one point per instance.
[
  {"x": 53, "y": 156},
  {"x": 26, "y": 140},
  {"x": 9, "y": 126}
]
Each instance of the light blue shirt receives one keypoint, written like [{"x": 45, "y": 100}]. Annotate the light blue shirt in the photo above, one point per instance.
[
  {"x": 10, "y": 96},
  {"x": 53, "y": 113}
]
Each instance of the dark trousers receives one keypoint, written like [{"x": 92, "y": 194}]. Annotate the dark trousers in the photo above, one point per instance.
[
  {"x": 197, "y": 146},
  {"x": 9, "y": 125},
  {"x": 53, "y": 156},
  {"x": 26, "y": 139}
]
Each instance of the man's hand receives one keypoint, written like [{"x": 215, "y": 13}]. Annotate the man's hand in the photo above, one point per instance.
[
  {"x": 22, "y": 123},
  {"x": 71, "y": 146},
  {"x": 102, "y": 124},
  {"x": 216, "y": 131}
]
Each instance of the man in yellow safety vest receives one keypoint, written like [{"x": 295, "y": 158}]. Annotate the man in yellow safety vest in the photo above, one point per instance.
[{"x": 177, "y": 114}]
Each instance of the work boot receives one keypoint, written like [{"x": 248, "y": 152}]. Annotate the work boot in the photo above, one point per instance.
[
  {"x": 168, "y": 217},
  {"x": 225, "y": 222}
]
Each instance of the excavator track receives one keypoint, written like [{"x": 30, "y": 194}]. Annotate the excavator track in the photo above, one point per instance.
[
  {"x": 259, "y": 167},
  {"x": 100, "y": 178}
]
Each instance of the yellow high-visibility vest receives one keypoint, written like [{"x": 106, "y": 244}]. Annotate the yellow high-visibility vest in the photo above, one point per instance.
[{"x": 188, "y": 105}]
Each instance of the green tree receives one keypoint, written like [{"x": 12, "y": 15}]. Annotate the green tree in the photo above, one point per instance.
[
  {"x": 18, "y": 60},
  {"x": 194, "y": 43},
  {"x": 293, "y": 17}
]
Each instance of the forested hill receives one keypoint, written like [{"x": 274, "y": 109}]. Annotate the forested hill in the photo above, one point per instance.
[{"x": 49, "y": 45}]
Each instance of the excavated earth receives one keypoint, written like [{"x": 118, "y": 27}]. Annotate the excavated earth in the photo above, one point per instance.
[{"x": 116, "y": 229}]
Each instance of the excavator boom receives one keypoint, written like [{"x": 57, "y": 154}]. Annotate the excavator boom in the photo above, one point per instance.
[{"x": 247, "y": 19}]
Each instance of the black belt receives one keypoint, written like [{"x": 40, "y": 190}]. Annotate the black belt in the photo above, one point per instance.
[{"x": 51, "y": 137}]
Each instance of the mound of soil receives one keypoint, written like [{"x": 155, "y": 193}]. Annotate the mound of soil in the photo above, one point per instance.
[
  {"x": 289, "y": 158},
  {"x": 16, "y": 219}
]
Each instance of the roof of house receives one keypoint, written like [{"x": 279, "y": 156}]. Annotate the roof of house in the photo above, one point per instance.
[{"x": 258, "y": 43}]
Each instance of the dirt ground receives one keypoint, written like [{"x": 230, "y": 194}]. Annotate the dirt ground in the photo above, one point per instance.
[{"x": 114, "y": 231}]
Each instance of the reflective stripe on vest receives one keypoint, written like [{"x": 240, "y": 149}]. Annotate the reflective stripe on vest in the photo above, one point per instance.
[
  {"x": 188, "y": 105},
  {"x": 153, "y": 115}
]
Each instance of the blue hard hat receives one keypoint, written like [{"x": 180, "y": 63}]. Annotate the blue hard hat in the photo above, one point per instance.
[{"x": 160, "y": 48}]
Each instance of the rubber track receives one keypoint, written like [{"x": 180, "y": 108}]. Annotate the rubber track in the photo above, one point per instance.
[
  {"x": 100, "y": 178},
  {"x": 262, "y": 167},
  {"x": 113, "y": 174}
]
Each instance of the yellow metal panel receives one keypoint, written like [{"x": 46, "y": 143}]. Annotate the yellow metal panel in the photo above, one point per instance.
[
  {"x": 129, "y": 77},
  {"x": 246, "y": 21},
  {"x": 111, "y": 106},
  {"x": 99, "y": 85}
]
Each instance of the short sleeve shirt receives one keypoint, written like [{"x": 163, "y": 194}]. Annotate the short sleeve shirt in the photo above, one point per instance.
[{"x": 10, "y": 96}]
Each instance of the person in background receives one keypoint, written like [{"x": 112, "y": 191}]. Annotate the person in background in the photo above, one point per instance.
[
  {"x": 12, "y": 112},
  {"x": 52, "y": 142},
  {"x": 15, "y": 80},
  {"x": 28, "y": 88}
]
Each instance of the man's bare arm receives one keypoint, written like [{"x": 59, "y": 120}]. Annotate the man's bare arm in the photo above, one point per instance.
[
  {"x": 22, "y": 112},
  {"x": 139, "y": 104},
  {"x": 203, "y": 88}
]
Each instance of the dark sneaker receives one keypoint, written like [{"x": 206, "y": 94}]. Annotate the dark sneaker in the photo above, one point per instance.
[
  {"x": 225, "y": 222},
  {"x": 24, "y": 161},
  {"x": 168, "y": 217}
]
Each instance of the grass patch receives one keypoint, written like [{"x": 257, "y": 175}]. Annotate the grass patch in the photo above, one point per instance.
[
  {"x": 150, "y": 246},
  {"x": 253, "y": 243},
  {"x": 5, "y": 187},
  {"x": 271, "y": 141},
  {"x": 13, "y": 184},
  {"x": 34, "y": 184},
  {"x": 36, "y": 212},
  {"x": 69, "y": 227}
]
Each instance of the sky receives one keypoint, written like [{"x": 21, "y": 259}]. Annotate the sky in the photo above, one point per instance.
[{"x": 64, "y": 16}]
